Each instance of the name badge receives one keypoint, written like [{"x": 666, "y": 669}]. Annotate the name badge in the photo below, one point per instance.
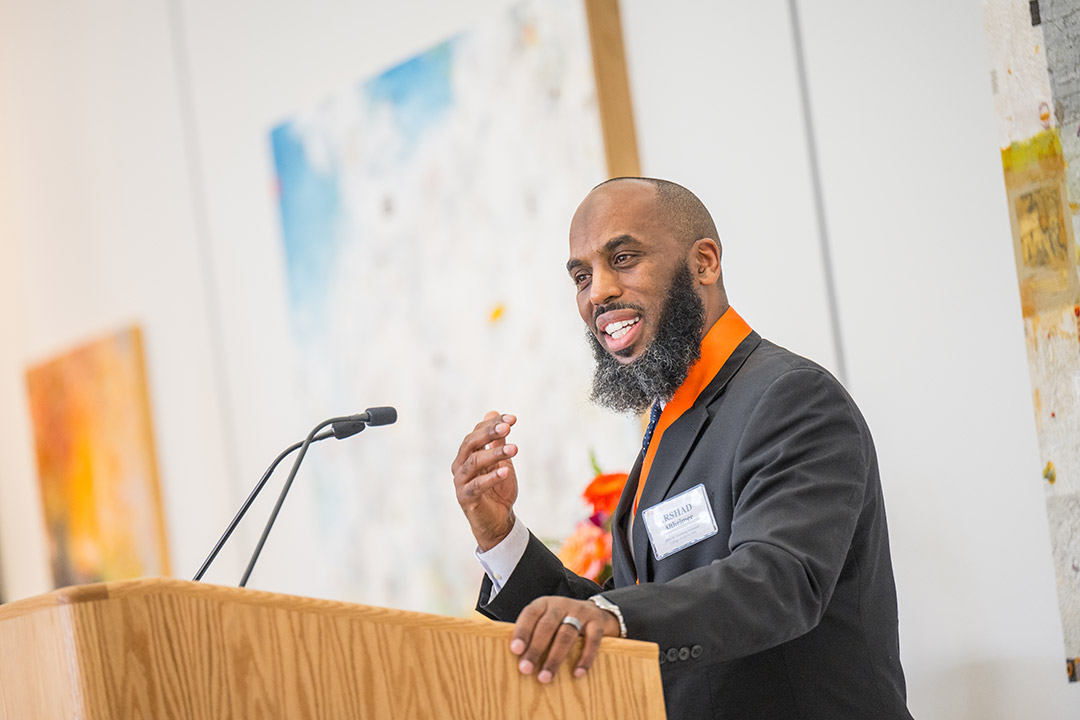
[{"x": 679, "y": 522}]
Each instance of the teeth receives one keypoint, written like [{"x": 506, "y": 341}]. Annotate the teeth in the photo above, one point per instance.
[{"x": 617, "y": 329}]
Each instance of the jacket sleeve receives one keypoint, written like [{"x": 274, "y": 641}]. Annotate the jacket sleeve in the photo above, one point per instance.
[
  {"x": 798, "y": 479},
  {"x": 538, "y": 573}
]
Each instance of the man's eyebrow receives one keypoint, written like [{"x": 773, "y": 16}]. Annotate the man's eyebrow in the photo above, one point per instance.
[
  {"x": 609, "y": 247},
  {"x": 619, "y": 240}
]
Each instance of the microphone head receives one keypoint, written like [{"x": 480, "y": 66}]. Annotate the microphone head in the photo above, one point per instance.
[
  {"x": 347, "y": 428},
  {"x": 381, "y": 416}
]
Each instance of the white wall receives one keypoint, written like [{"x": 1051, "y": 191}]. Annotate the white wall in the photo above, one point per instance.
[
  {"x": 717, "y": 106},
  {"x": 930, "y": 311},
  {"x": 929, "y": 308},
  {"x": 98, "y": 232},
  {"x": 134, "y": 186}
]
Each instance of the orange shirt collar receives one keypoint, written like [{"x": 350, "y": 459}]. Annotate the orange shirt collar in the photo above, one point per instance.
[{"x": 716, "y": 348}]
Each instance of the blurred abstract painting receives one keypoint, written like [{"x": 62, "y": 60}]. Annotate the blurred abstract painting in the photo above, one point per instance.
[
  {"x": 96, "y": 462},
  {"x": 425, "y": 215}
]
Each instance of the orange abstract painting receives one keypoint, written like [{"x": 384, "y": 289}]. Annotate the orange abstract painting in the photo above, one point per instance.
[{"x": 96, "y": 462}]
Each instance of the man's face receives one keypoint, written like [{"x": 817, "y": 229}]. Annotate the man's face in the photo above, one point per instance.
[
  {"x": 637, "y": 296},
  {"x": 622, "y": 263}
]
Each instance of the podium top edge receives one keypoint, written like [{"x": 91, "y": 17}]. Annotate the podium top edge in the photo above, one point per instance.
[
  {"x": 161, "y": 587},
  {"x": 71, "y": 598}
]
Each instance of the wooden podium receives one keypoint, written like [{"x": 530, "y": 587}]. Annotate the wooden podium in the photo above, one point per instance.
[{"x": 160, "y": 648}]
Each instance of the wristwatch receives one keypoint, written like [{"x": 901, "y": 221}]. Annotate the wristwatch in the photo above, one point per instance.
[{"x": 604, "y": 604}]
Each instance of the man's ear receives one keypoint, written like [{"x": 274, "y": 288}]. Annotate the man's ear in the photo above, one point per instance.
[{"x": 704, "y": 261}]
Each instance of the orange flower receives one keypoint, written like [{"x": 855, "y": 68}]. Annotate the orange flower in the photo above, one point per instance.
[
  {"x": 587, "y": 552},
  {"x": 604, "y": 491}
]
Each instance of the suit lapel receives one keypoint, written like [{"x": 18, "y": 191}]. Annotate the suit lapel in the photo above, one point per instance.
[{"x": 675, "y": 446}]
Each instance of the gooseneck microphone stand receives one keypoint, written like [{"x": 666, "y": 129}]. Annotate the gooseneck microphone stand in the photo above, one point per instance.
[
  {"x": 250, "y": 499},
  {"x": 342, "y": 427},
  {"x": 371, "y": 416}
]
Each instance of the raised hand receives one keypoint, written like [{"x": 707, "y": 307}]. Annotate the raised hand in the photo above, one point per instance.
[{"x": 485, "y": 481}]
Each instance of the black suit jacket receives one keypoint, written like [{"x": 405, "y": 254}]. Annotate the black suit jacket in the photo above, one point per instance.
[{"x": 789, "y": 611}]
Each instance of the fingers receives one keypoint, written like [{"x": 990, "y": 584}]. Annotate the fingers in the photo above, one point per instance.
[
  {"x": 543, "y": 640},
  {"x": 483, "y": 468},
  {"x": 594, "y": 633},
  {"x": 533, "y": 632},
  {"x": 565, "y": 636},
  {"x": 493, "y": 428},
  {"x": 499, "y": 422}
]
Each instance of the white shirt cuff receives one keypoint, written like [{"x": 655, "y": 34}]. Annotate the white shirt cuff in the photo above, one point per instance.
[{"x": 499, "y": 562}]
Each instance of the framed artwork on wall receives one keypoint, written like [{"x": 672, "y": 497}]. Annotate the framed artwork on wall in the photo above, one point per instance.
[{"x": 96, "y": 461}]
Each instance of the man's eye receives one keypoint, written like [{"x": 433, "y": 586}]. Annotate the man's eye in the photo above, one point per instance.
[
  {"x": 622, "y": 258},
  {"x": 580, "y": 278}
]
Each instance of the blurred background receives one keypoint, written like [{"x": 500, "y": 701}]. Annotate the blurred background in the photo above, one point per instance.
[{"x": 849, "y": 152}]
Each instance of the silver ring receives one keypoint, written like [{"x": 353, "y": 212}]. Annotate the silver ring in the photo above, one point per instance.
[{"x": 572, "y": 621}]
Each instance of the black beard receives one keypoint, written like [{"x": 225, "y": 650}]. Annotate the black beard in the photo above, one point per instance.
[{"x": 662, "y": 368}]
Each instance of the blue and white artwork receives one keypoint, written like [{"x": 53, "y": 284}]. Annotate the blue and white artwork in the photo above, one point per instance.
[{"x": 425, "y": 215}]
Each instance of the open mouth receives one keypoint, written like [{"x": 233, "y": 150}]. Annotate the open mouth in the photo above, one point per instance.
[{"x": 618, "y": 330}]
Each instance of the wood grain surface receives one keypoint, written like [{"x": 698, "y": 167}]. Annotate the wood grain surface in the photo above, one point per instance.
[{"x": 160, "y": 648}]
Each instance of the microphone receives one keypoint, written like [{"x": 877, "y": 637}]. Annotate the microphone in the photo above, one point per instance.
[
  {"x": 341, "y": 429},
  {"x": 379, "y": 416},
  {"x": 371, "y": 416},
  {"x": 347, "y": 425}
]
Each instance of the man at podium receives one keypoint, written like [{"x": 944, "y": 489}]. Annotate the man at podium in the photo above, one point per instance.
[{"x": 750, "y": 542}]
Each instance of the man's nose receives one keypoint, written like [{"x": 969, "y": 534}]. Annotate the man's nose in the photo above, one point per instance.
[{"x": 604, "y": 287}]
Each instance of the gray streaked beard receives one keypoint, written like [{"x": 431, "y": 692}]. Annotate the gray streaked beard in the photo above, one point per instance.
[{"x": 662, "y": 368}]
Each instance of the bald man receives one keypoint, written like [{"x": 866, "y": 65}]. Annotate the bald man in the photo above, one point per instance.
[{"x": 750, "y": 542}]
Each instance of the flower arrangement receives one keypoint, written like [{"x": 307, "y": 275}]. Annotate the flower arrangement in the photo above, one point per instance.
[{"x": 587, "y": 552}]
